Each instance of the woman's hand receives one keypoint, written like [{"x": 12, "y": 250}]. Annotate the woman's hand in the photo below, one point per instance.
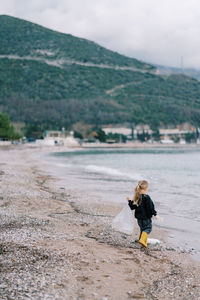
[{"x": 127, "y": 198}]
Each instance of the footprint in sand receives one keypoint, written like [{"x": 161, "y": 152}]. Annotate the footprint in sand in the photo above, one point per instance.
[{"x": 135, "y": 259}]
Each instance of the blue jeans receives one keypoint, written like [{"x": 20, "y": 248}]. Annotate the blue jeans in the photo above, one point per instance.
[{"x": 145, "y": 225}]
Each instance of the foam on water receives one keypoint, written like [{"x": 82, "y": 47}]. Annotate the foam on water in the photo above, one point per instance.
[{"x": 111, "y": 171}]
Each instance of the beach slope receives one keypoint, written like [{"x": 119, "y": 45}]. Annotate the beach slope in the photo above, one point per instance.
[{"x": 55, "y": 246}]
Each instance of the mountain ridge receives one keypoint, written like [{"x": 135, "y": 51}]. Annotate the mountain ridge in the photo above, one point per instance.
[
  {"x": 54, "y": 79},
  {"x": 57, "y": 44},
  {"x": 191, "y": 72}
]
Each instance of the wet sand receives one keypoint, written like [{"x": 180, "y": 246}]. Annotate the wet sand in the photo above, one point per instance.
[{"x": 57, "y": 244}]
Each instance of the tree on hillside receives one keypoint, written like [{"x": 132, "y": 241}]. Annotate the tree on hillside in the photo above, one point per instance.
[
  {"x": 7, "y": 131},
  {"x": 100, "y": 135},
  {"x": 34, "y": 130},
  {"x": 143, "y": 137},
  {"x": 156, "y": 135}
]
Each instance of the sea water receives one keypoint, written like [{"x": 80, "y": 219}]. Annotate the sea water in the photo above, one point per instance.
[{"x": 173, "y": 176}]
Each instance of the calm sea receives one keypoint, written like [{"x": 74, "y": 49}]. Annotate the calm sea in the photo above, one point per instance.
[{"x": 111, "y": 175}]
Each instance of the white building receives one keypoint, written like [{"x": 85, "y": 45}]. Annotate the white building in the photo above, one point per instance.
[
  {"x": 59, "y": 138},
  {"x": 167, "y": 135},
  {"x": 171, "y": 135},
  {"x": 118, "y": 130}
]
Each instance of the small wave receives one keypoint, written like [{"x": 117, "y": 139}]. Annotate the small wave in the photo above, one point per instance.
[
  {"x": 61, "y": 165},
  {"x": 112, "y": 171}
]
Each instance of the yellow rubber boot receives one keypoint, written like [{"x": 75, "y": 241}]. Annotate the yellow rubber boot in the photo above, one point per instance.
[{"x": 143, "y": 239}]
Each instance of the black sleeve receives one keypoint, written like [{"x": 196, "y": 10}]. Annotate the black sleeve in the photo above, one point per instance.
[
  {"x": 150, "y": 207},
  {"x": 131, "y": 205}
]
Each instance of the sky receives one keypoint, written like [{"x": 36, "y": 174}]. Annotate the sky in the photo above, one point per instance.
[{"x": 165, "y": 32}]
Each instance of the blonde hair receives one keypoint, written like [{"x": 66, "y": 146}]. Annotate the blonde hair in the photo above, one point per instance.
[{"x": 142, "y": 185}]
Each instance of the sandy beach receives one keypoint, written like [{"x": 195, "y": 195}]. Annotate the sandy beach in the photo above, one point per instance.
[{"x": 55, "y": 245}]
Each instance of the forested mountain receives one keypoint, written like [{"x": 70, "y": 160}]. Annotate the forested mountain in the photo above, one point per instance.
[{"x": 55, "y": 79}]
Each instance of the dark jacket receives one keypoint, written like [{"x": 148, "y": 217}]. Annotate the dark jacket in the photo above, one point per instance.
[{"x": 145, "y": 208}]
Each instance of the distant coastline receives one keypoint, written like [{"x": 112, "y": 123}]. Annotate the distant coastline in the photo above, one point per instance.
[
  {"x": 139, "y": 145},
  {"x": 129, "y": 145}
]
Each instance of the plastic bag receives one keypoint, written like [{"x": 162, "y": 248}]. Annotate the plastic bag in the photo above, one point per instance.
[
  {"x": 158, "y": 219},
  {"x": 123, "y": 222}
]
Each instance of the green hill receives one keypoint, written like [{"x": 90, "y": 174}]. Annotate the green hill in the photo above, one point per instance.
[
  {"x": 20, "y": 37},
  {"x": 56, "y": 79}
]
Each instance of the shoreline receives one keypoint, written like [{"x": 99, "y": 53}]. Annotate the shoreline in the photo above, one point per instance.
[
  {"x": 128, "y": 145},
  {"x": 179, "y": 236},
  {"x": 136, "y": 145},
  {"x": 65, "y": 246}
]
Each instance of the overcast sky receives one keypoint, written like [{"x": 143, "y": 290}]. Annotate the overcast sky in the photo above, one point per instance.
[{"x": 163, "y": 32}]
